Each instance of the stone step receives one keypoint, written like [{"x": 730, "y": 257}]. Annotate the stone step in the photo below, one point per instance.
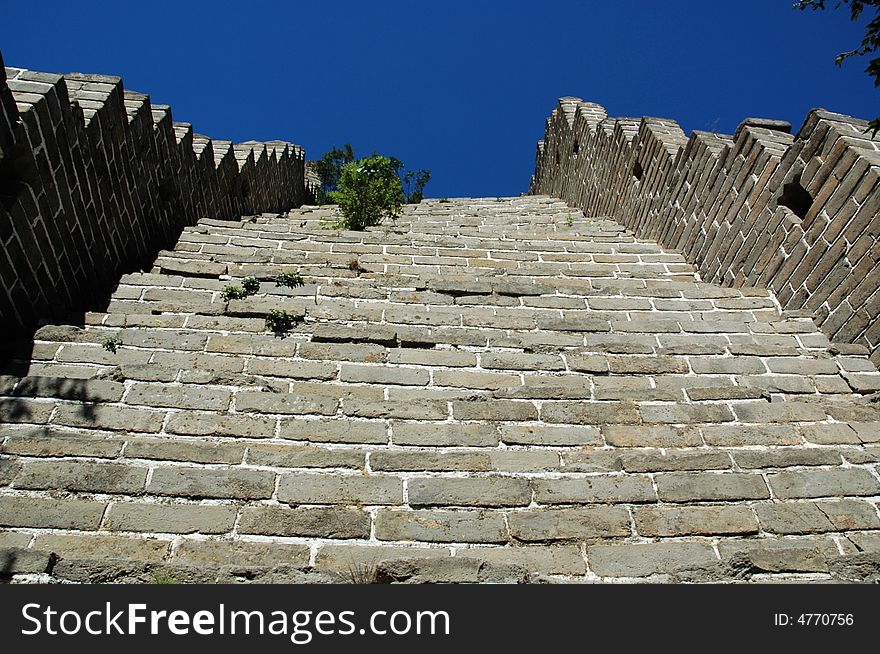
[{"x": 489, "y": 389}]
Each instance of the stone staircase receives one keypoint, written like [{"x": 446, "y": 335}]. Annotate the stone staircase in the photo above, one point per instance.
[{"x": 490, "y": 389}]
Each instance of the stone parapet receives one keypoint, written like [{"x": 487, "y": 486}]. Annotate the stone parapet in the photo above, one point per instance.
[
  {"x": 95, "y": 180},
  {"x": 796, "y": 214}
]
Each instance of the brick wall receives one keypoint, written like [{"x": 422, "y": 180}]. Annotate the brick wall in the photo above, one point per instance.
[
  {"x": 798, "y": 214},
  {"x": 95, "y": 180}
]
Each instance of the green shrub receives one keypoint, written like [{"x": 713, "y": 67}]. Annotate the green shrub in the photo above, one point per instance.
[
  {"x": 329, "y": 167},
  {"x": 251, "y": 285},
  {"x": 369, "y": 190},
  {"x": 289, "y": 279},
  {"x": 414, "y": 182}
]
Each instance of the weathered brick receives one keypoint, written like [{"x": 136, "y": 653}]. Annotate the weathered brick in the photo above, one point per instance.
[
  {"x": 550, "y": 435},
  {"x": 433, "y": 357},
  {"x": 210, "y": 553},
  {"x": 848, "y": 515},
  {"x": 165, "y": 339},
  {"x": 212, "y": 482},
  {"x": 547, "y": 559},
  {"x": 172, "y": 518},
  {"x": 473, "y": 491},
  {"x": 737, "y": 365},
  {"x": 481, "y": 409},
  {"x": 476, "y": 380},
  {"x": 94, "y": 353},
  {"x": 103, "y": 547},
  {"x": 647, "y": 365},
  {"x": 441, "y": 526},
  {"x": 83, "y": 390},
  {"x": 19, "y": 410},
  {"x": 189, "y": 423},
  {"x": 284, "y": 403},
  {"x": 416, "y": 460},
  {"x": 317, "y": 522},
  {"x": 302, "y": 488},
  {"x": 862, "y": 382},
  {"x": 43, "y": 513},
  {"x": 778, "y": 412},
  {"x": 594, "y": 489},
  {"x": 361, "y": 352},
  {"x": 664, "y": 521},
  {"x": 592, "y": 460},
  {"x": 592, "y": 363},
  {"x": 335, "y": 431},
  {"x": 294, "y": 369},
  {"x": 51, "y": 442},
  {"x": 167, "y": 449},
  {"x": 590, "y": 413},
  {"x": 304, "y": 456},
  {"x": 685, "y": 413},
  {"x": 19, "y": 560},
  {"x": 648, "y": 460},
  {"x": 109, "y": 417},
  {"x": 651, "y": 436},
  {"x": 82, "y": 476},
  {"x": 541, "y": 525},
  {"x": 240, "y": 553},
  {"x": 781, "y": 555},
  {"x": 384, "y": 375},
  {"x": 647, "y": 559},
  {"x": 802, "y": 366},
  {"x": 690, "y": 487},
  {"x": 253, "y": 344},
  {"x": 631, "y": 388},
  {"x": 786, "y": 456},
  {"x": 415, "y": 410},
  {"x": 830, "y": 482},
  {"x": 358, "y": 562},
  {"x": 444, "y": 434},
  {"x": 737, "y": 434},
  {"x": 515, "y": 361}
]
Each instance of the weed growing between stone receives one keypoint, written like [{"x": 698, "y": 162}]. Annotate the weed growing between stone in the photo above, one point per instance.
[
  {"x": 110, "y": 344},
  {"x": 280, "y": 322},
  {"x": 289, "y": 279},
  {"x": 251, "y": 285}
]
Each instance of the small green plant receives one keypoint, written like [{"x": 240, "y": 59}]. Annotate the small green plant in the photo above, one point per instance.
[
  {"x": 251, "y": 285},
  {"x": 362, "y": 574},
  {"x": 280, "y": 322},
  {"x": 289, "y": 279},
  {"x": 368, "y": 191},
  {"x": 569, "y": 220},
  {"x": 163, "y": 579},
  {"x": 111, "y": 343},
  {"x": 233, "y": 293}
]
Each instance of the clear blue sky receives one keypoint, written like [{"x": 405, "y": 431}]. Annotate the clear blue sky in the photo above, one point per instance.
[{"x": 459, "y": 87}]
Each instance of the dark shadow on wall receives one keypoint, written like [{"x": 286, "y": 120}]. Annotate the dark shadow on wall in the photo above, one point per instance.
[
  {"x": 20, "y": 383},
  {"x": 16, "y": 560}
]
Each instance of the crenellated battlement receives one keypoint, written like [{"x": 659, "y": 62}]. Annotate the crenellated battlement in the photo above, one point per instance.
[
  {"x": 96, "y": 180},
  {"x": 797, "y": 214}
]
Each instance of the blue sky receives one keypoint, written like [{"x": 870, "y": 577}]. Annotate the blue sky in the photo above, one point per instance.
[{"x": 460, "y": 88}]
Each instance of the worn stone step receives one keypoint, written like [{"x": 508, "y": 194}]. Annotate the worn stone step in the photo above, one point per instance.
[{"x": 484, "y": 382}]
